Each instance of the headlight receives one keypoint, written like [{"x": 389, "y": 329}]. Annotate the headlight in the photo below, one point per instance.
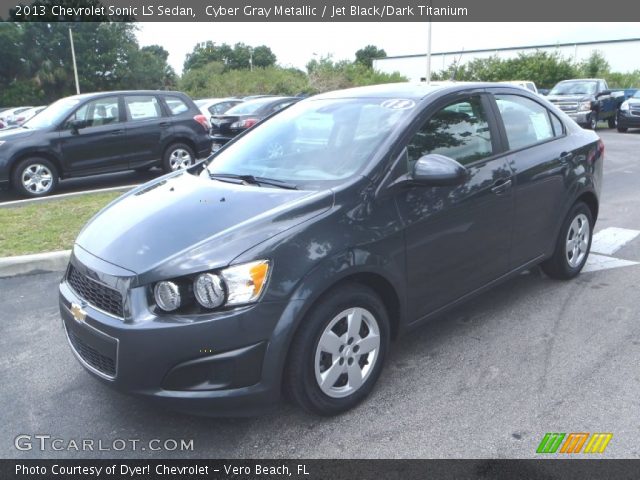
[
  {"x": 167, "y": 295},
  {"x": 624, "y": 107},
  {"x": 245, "y": 282},
  {"x": 584, "y": 106},
  {"x": 236, "y": 285},
  {"x": 208, "y": 290}
]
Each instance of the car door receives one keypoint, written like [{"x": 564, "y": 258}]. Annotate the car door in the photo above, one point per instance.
[
  {"x": 457, "y": 238},
  {"x": 93, "y": 138},
  {"x": 539, "y": 153},
  {"x": 147, "y": 124}
]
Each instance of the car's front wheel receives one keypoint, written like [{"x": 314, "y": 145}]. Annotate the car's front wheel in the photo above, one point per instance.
[
  {"x": 35, "y": 177},
  {"x": 178, "y": 156},
  {"x": 573, "y": 244},
  {"x": 613, "y": 121},
  {"x": 622, "y": 129},
  {"x": 593, "y": 120},
  {"x": 338, "y": 353}
]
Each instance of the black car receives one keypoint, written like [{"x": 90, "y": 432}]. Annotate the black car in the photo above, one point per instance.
[
  {"x": 100, "y": 133},
  {"x": 216, "y": 288},
  {"x": 629, "y": 113},
  {"x": 245, "y": 115}
]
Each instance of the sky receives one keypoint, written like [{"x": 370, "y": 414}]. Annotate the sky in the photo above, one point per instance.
[{"x": 296, "y": 43}]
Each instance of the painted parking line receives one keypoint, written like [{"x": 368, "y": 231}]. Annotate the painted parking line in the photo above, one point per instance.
[
  {"x": 597, "y": 262},
  {"x": 609, "y": 240}
]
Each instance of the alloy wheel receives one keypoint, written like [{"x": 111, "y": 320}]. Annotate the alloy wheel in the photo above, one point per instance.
[
  {"x": 180, "y": 159},
  {"x": 37, "y": 178},
  {"x": 577, "y": 243}
]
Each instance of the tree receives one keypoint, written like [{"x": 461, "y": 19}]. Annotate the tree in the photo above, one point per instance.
[
  {"x": 233, "y": 58},
  {"x": 596, "y": 66},
  {"x": 366, "y": 55}
]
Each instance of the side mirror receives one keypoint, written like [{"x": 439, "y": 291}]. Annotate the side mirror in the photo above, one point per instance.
[
  {"x": 603, "y": 93},
  {"x": 438, "y": 171},
  {"x": 77, "y": 125}
]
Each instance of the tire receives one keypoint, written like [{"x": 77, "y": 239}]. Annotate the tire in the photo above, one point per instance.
[
  {"x": 307, "y": 361},
  {"x": 35, "y": 177},
  {"x": 613, "y": 121},
  {"x": 593, "y": 121},
  {"x": 177, "y": 156},
  {"x": 564, "y": 265},
  {"x": 622, "y": 129}
]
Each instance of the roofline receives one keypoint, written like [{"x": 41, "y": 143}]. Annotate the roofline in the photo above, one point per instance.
[{"x": 504, "y": 49}]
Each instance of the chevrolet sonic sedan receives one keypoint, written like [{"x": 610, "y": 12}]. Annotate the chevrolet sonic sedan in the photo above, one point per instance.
[{"x": 288, "y": 261}]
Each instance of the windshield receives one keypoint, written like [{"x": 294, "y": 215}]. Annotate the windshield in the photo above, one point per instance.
[
  {"x": 250, "y": 107},
  {"x": 317, "y": 141},
  {"x": 574, "y": 88},
  {"x": 636, "y": 95},
  {"x": 53, "y": 114}
]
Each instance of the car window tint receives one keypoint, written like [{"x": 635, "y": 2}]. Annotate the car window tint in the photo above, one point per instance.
[
  {"x": 278, "y": 107},
  {"x": 103, "y": 111},
  {"x": 525, "y": 121},
  {"x": 142, "y": 107},
  {"x": 459, "y": 131},
  {"x": 176, "y": 105}
]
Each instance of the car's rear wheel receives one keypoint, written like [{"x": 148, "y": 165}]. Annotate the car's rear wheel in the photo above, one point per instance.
[
  {"x": 178, "y": 156},
  {"x": 573, "y": 244},
  {"x": 338, "y": 353},
  {"x": 35, "y": 177},
  {"x": 622, "y": 129}
]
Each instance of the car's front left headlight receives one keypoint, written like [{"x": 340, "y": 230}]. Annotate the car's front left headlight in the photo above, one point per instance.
[
  {"x": 625, "y": 106},
  {"x": 584, "y": 106},
  {"x": 236, "y": 285}
]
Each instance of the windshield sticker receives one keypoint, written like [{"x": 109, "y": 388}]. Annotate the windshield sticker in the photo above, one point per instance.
[{"x": 398, "y": 104}]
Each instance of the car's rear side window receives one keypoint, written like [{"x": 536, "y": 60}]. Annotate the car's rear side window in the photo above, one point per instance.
[
  {"x": 176, "y": 105},
  {"x": 459, "y": 131},
  {"x": 526, "y": 122},
  {"x": 142, "y": 107}
]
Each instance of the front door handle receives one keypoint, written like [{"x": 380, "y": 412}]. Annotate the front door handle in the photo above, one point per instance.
[
  {"x": 165, "y": 124},
  {"x": 117, "y": 132},
  {"x": 501, "y": 186}
]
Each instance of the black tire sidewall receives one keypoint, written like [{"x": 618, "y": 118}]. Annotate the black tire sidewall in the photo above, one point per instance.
[
  {"x": 16, "y": 177},
  {"x": 309, "y": 394},
  {"x": 166, "y": 159},
  {"x": 593, "y": 120}
]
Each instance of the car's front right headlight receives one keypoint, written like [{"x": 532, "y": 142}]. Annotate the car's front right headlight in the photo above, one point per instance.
[{"x": 625, "y": 106}]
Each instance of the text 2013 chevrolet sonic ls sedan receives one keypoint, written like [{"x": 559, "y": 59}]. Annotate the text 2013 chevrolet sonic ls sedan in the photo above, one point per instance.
[{"x": 289, "y": 260}]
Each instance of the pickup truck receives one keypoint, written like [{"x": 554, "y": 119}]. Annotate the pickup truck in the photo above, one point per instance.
[{"x": 587, "y": 101}]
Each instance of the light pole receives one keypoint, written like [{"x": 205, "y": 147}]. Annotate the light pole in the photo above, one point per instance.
[
  {"x": 429, "y": 52},
  {"x": 73, "y": 57},
  {"x": 251, "y": 59}
]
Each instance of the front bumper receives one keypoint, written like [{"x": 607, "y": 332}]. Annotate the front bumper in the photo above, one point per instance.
[
  {"x": 628, "y": 120},
  {"x": 216, "y": 364},
  {"x": 581, "y": 118}
]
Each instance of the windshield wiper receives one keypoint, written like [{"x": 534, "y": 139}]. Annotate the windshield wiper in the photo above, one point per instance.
[{"x": 250, "y": 179}]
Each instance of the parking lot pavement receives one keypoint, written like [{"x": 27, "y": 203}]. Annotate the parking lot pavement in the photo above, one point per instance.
[
  {"x": 81, "y": 184},
  {"x": 487, "y": 380}
]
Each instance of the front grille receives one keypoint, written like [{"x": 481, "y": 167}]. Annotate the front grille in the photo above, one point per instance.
[
  {"x": 567, "y": 107},
  {"x": 635, "y": 113},
  {"x": 96, "y": 294},
  {"x": 91, "y": 356}
]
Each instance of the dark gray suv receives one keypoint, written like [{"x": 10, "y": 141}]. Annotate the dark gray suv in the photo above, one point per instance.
[
  {"x": 103, "y": 132},
  {"x": 289, "y": 260}
]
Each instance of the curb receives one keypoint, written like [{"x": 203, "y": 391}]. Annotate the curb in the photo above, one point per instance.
[
  {"x": 37, "y": 263},
  {"x": 61, "y": 196}
]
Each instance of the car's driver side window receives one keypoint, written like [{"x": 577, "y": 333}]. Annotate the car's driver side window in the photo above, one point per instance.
[{"x": 459, "y": 131}]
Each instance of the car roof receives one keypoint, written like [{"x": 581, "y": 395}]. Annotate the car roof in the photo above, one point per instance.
[
  {"x": 83, "y": 96},
  {"x": 406, "y": 90}
]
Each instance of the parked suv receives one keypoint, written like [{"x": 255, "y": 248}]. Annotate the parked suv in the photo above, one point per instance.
[
  {"x": 100, "y": 133},
  {"x": 220, "y": 286}
]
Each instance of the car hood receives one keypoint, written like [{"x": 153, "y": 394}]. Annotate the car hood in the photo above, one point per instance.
[
  {"x": 568, "y": 98},
  {"x": 185, "y": 223},
  {"x": 15, "y": 134}
]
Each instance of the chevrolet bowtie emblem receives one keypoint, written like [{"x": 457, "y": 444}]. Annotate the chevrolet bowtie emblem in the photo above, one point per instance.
[{"x": 78, "y": 313}]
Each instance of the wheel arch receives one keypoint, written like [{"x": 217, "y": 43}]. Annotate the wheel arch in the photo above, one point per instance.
[{"x": 37, "y": 154}]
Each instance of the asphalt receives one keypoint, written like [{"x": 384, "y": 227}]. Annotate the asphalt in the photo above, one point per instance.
[{"x": 487, "y": 380}]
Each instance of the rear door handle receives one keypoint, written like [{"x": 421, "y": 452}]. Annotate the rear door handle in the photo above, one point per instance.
[
  {"x": 117, "y": 132},
  {"x": 501, "y": 186},
  {"x": 164, "y": 124}
]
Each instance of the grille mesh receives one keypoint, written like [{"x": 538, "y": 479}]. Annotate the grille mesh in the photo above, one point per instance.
[
  {"x": 96, "y": 294},
  {"x": 102, "y": 363}
]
